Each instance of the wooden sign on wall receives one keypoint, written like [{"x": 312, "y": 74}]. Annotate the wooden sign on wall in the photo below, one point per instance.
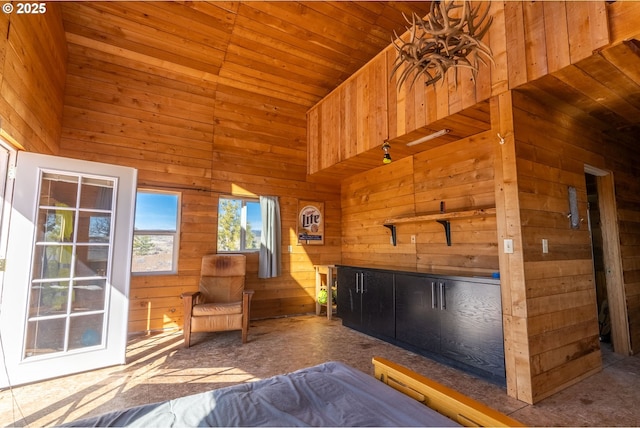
[{"x": 310, "y": 223}]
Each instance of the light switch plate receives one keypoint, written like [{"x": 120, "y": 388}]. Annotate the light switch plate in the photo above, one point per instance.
[
  {"x": 508, "y": 246},
  {"x": 545, "y": 246}
]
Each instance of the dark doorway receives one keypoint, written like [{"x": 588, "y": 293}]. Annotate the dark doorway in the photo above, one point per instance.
[{"x": 597, "y": 248}]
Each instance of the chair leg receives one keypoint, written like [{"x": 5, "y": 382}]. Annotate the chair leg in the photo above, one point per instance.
[
  {"x": 188, "y": 305},
  {"x": 246, "y": 313},
  {"x": 187, "y": 337}
]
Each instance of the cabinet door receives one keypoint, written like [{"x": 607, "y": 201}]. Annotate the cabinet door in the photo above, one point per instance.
[
  {"x": 471, "y": 325},
  {"x": 349, "y": 297},
  {"x": 417, "y": 312},
  {"x": 378, "y": 312}
]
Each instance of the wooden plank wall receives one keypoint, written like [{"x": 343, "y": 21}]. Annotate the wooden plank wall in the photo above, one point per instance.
[
  {"x": 367, "y": 200},
  {"x": 353, "y": 119},
  {"x": 33, "y": 56},
  {"x": 552, "y": 150},
  {"x": 129, "y": 108},
  {"x": 460, "y": 174}
]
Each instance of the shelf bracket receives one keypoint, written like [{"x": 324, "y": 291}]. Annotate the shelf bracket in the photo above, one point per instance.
[
  {"x": 392, "y": 228},
  {"x": 447, "y": 230}
]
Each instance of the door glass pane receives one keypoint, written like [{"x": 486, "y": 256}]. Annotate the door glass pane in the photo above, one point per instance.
[
  {"x": 91, "y": 261},
  {"x": 96, "y": 194},
  {"x": 58, "y": 190},
  {"x": 45, "y": 336},
  {"x": 48, "y": 299},
  {"x": 52, "y": 261},
  {"x": 55, "y": 224},
  {"x": 88, "y": 295},
  {"x": 85, "y": 331},
  {"x": 73, "y": 242},
  {"x": 94, "y": 227}
]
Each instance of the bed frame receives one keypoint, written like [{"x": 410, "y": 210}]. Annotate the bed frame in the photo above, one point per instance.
[{"x": 451, "y": 403}]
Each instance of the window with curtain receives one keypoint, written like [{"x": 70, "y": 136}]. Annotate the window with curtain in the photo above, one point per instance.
[
  {"x": 156, "y": 232},
  {"x": 239, "y": 225}
]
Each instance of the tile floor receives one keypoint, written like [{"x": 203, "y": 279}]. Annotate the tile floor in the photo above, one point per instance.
[{"x": 159, "y": 368}]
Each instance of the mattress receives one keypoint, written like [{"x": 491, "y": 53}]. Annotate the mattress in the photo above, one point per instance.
[{"x": 329, "y": 394}]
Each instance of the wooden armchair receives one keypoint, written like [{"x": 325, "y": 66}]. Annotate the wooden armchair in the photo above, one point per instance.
[{"x": 221, "y": 303}]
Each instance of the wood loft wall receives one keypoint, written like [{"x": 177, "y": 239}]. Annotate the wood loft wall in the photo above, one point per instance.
[
  {"x": 528, "y": 41},
  {"x": 124, "y": 109},
  {"x": 552, "y": 150},
  {"x": 460, "y": 174},
  {"x": 33, "y": 57}
]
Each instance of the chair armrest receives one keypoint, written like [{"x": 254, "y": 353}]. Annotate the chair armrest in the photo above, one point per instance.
[
  {"x": 246, "y": 302},
  {"x": 190, "y": 299},
  {"x": 191, "y": 294}
]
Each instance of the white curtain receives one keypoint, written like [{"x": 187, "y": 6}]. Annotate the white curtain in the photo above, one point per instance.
[{"x": 270, "y": 248}]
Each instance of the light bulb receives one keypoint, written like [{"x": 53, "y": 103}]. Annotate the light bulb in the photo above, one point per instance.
[{"x": 387, "y": 157}]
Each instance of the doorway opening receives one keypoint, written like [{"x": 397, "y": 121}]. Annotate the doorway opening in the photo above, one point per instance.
[
  {"x": 607, "y": 261},
  {"x": 597, "y": 252}
]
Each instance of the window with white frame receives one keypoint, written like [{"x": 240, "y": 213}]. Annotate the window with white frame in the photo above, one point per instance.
[
  {"x": 239, "y": 224},
  {"x": 156, "y": 232}
]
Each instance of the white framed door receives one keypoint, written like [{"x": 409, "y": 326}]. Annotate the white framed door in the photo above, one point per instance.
[
  {"x": 7, "y": 171},
  {"x": 65, "y": 292}
]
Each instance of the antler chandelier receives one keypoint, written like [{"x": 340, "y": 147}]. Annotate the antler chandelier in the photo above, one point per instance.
[{"x": 444, "y": 39}]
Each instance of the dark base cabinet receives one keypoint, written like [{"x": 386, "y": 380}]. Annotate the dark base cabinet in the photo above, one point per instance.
[
  {"x": 454, "y": 320},
  {"x": 417, "y": 315},
  {"x": 471, "y": 326},
  {"x": 365, "y": 301}
]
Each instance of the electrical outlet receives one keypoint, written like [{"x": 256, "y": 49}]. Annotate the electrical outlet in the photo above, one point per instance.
[
  {"x": 290, "y": 249},
  {"x": 508, "y": 246},
  {"x": 545, "y": 246}
]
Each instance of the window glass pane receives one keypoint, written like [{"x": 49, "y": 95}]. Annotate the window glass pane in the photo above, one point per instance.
[
  {"x": 156, "y": 211},
  {"x": 253, "y": 227},
  {"x": 152, "y": 253},
  {"x": 239, "y": 225},
  {"x": 156, "y": 230},
  {"x": 229, "y": 224}
]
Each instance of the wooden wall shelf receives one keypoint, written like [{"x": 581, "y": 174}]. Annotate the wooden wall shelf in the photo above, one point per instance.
[
  {"x": 459, "y": 215},
  {"x": 442, "y": 218}
]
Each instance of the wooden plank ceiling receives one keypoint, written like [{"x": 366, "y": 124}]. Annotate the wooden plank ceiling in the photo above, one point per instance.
[
  {"x": 281, "y": 57},
  {"x": 602, "y": 90},
  {"x": 294, "y": 51}
]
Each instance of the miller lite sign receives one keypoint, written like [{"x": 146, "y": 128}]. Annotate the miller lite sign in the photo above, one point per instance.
[{"x": 310, "y": 223}]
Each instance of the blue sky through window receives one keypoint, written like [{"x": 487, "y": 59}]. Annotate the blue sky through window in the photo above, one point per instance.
[
  {"x": 156, "y": 211},
  {"x": 253, "y": 216}
]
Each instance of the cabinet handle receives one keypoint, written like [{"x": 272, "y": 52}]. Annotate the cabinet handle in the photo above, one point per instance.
[
  {"x": 362, "y": 290},
  {"x": 357, "y": 282},
  {"x": 434, "y": 296},
  {"x": 443, "y": 300}
]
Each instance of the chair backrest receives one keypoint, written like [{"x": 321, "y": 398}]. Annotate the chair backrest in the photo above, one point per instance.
[{"x": 222, "y": 277}]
